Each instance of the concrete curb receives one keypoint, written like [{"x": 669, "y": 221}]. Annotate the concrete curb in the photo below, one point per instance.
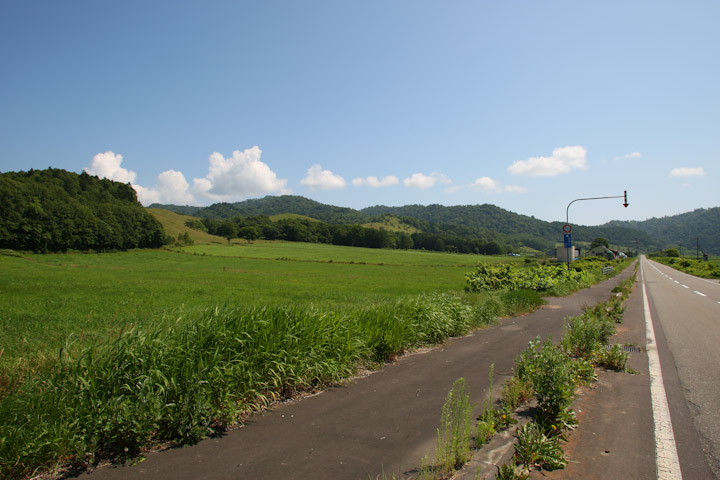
[{"x": 497, "y": 452}]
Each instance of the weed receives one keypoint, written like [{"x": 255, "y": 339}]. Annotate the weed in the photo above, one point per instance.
[
  {"x": 515, "y": 392},
  {"x": 536, "y": 450},
  {"x": 511, "y": 472},
  {"x": 455, "y": 432},
  {"x": 614, "y": 358},
  {"x": 550, "y": 373}
]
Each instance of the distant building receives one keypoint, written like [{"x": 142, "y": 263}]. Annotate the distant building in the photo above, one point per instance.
[{"x": 603, "y": 251}]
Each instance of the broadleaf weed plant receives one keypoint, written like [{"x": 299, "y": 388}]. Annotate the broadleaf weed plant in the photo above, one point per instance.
[{"x": 534, "y": 449}]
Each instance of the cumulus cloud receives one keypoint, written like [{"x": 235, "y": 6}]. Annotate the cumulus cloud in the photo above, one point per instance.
[
  {"x": 629, "y": 156},
  {"x": 422, "y": 181},
  {"x": 239, "y": 176},
  {"x": 107, "y": 165},
  {"x": 374, "y": 182},
  {"x": 562, "y": 161},
  {"x": 687, "y": 172},
  {"x": 318, "y": 179},
  {"x": 489, "y": 185},
  {"x": 171, "y": 187},
  {"x": 485, "y": 184},
  {"x": 515, "y": 189}
]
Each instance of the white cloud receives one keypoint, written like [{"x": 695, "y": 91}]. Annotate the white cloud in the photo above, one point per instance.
[
  {"x": 240, "y": 176},
  {"x": 374, "y": 182},
  {"x": 171, "y": 187},
  {"x": 422, "y": 181},
  {"x": 562, "y": 161},
  {"x": 107, "y": 165},
  {"x": 629, "y": 156},
  {"x": 485, "y": 184},
  {"x": 687, "y": 172},
  {"x": 515, "y": 189},
  {"x": 318, "y": 179}
]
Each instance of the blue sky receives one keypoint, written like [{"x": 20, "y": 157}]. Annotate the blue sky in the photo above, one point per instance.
[{"x": 526, "y": 105}]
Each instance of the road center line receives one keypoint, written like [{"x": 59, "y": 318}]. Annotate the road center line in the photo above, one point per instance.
[
  {"x": 676, "y": 282},
  {"x": 700, "y": 293},
  {"x": 666, "y": 457},
  {"x": 685, "y": 286}
]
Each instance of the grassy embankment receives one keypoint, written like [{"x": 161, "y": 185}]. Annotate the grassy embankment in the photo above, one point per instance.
[
  {"x": 699, "y": 268},
  {"x": 152, "y": 359}
]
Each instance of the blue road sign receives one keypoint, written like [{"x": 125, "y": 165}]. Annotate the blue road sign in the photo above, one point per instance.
[{"x": 568, "y": 241}]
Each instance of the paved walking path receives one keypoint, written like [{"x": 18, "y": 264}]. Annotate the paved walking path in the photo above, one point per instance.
[{"x": 383, "y": 423}]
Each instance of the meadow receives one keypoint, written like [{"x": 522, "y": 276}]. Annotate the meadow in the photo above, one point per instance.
[
  {"x": 45, "y": 298},
  {"x": 104, "y": 355}
]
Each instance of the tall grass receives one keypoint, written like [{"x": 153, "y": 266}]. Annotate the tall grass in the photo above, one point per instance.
[
  {"x": 46, "y": 298},
  {"x": 184, "y": 379}
]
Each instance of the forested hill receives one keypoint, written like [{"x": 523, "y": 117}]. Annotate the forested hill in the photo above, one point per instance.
[
  {"x": 272, "y": 205},
  {"x": 701, "y": 226},
  {"x": 486, "y": 222},
  {"x": 55, "y": 210}
]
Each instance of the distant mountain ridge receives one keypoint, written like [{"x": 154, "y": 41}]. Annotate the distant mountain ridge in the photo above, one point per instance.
[
  {"x": 486, "y": 221},
  {"x": 699, "y": 227}
]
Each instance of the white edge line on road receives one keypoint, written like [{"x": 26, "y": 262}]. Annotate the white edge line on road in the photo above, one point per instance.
[
  {"x": 700, "y": 293},
  {"x": 666, "y": 457}
]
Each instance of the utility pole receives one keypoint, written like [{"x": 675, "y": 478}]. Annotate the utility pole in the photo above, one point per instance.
[{"x": 697, "y": 252}]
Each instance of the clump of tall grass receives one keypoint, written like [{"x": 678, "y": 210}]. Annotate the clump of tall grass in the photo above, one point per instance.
[{"x": 183, "y": 379}]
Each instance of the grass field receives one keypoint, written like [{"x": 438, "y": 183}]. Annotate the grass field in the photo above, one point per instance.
[
  {"x": 174, "y": 345},
  {"x": 46, "y": 298}
]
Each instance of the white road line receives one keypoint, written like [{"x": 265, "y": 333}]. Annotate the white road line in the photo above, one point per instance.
[
  {"x": 676, "y": 282},
  {"x": 666, "y": 457},
  {"x": 685, "y": 286},
  {"x": 699, "y": 293}
]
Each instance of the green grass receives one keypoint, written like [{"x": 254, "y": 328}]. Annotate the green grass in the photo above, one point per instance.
[
  {"x": 699, "y": 268},
  {"x": 46, "y": 298},
  {"x": 174, "y": 223},
  {"x": 105, "y": 354}
]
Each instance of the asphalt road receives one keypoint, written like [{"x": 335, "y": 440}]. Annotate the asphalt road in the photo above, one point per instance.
[
  {"x": 383, "y": 423},
  {"x": 686, "y": 313}
]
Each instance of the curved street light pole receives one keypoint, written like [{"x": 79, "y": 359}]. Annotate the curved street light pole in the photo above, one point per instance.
[
  {"x": 567, "y": 213},
  {"x": 567, "y": 210}
]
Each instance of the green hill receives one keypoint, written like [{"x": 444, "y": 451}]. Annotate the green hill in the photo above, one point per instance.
[
  {"x": 55, "y": 210},
  {"x": 699, "y": 227},
  {"x": 485, "y": 222}
]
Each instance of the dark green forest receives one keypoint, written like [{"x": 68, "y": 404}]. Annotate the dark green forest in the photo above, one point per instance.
[
  {"x": 55, "y": 210},
  {"x": 479, "y": 223},
  {"x": 694, "y": 231}
]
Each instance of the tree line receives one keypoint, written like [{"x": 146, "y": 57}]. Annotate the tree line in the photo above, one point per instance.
[
  {"x": 313, "y": 231},
  {"x": 55, "y": 210}
]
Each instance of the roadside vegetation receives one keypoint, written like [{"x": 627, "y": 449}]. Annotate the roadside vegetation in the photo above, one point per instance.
[
  {"x": 110, "y": 354},
  {"x": 693, "y": 266},
  {"x": 547, "y": 374}
]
